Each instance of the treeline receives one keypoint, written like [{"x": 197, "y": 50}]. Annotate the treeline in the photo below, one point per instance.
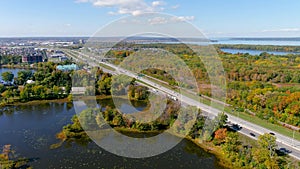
[
  {"x": 91, "y": 119},
  {"x": 267, "y": 101},
  {"x": 45, "y": 83},
  {"x": 235, "y": 152},
  {"x": 265, "y": 68},
  {"x": 264, "y": 154},
  {"x": 123, "y": 85},
  {"x": 49, "y": 83},
  {"x": 161, "y": 75},
  {"x": 185, "y": 124},
  {"x": 94, "y": 119},
  {"x": 260, "y": 47},
  {"x": 9, "y": 59},
  {"x": 265, "y": 84}
]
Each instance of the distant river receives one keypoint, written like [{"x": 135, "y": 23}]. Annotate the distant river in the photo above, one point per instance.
[
  {"x": 255, "y": 52},
  {"x": 31, "y": 129},
  {"x": 260, "y": 41}
]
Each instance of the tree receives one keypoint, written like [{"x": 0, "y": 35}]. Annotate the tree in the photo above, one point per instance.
[
  {"x": 7, "y": 76},
  {"x": 23, "y": 76},
  {"x": 24, "y": 95},
  {"x": 220, "y": 121},
  {"x": 87, "y": 119},
  {"x": 8, "y": 93},
  {"x": 104, "y": 86},
  {"x": 2, "y": 88},
  {"x": 220, "y": 134},
  {"x": 57, "y": 91},
  {"x": 265, "y": 155},
  {"x": 118, "y": 120},
  {"x": 40, "y": 92},
  {"x": 231, "y": 145},
  {"x": 268, "y": 142}
]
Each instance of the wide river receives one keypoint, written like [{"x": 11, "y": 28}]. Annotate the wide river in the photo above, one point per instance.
[{"x": 31, "y": 129}]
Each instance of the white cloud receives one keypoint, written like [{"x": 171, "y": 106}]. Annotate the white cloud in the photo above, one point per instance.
[
  {"x": 158, "y": 3},
  {"x": 157, "y": 20},
  {"x": 133, "y": 7},
  {"x": 131, "y": 21},
  {"x": 174, "y": 19},
  {"x": 182, "y": 18}
]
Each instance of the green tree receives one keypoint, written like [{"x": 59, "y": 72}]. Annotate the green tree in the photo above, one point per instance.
[
  {"x": 23, "y": 76},
  {"x": 40, "y": 92},
  {"x": 56, "y": 91},
  {"x": 220, "y": 121},
  {"x": 268, "y": 142},
  {"x": 2, "y": 88},
  {"x": 231, "y": 144},
  {"x": 87, "y": 119},
  {"x": 7, "y": 76},
  {"x": 265, "y": 155},
  {"x": 104, "y": 86}
]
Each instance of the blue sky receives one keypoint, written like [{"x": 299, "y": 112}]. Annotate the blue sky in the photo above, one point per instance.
[{"x": 216, "y": 18}]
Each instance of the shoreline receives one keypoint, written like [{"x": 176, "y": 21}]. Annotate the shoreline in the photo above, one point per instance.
[
  {"x": 206, "y": 146},
  {"x": 17, "y": 66},
  {"x": 62, "y": 100},
  {"x": 209, "y": 148}
]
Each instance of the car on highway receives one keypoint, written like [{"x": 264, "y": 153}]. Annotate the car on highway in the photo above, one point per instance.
[
  {"x": 236, "y": 127},
  {"x": 285, "y": 151},
  {"x": 252, "y": 134},
  {"x": 272, "y": 133}
]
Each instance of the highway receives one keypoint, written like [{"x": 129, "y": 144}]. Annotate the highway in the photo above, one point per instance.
[{"x": 248, "y": 129}]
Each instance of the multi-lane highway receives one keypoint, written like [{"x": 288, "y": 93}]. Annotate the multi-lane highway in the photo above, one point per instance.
[{"x": 249, "y": 129}]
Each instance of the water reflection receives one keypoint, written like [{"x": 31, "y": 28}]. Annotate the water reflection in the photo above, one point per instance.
[{"x": 31, "y": 129}]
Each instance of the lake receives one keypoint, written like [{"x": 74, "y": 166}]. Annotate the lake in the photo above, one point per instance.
[
  {"x": 31, "y": 129},
  {"x": 255, "y": 52},
  {"x": 258, "y": 41},
  {"x": 13, "y": 70}
]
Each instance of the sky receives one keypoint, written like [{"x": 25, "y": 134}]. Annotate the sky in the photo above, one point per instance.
[{"x": 215, "y": 18}]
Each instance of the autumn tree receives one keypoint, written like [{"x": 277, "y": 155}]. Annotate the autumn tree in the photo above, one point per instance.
[{"x": 221, "y": 134}]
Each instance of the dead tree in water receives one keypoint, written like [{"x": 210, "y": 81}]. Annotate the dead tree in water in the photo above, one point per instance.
[
  {"x": 7, "y": 159},
  {"x": 6, "y": 151}
]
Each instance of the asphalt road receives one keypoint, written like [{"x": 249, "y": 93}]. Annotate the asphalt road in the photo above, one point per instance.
[{"x": 284, "y": 142}]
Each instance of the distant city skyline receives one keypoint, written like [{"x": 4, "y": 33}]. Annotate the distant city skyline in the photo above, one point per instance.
[{"x": 215, "y": 18}]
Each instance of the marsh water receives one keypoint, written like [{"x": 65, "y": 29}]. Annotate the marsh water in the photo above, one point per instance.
[{"x": 31, "y": 130}]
